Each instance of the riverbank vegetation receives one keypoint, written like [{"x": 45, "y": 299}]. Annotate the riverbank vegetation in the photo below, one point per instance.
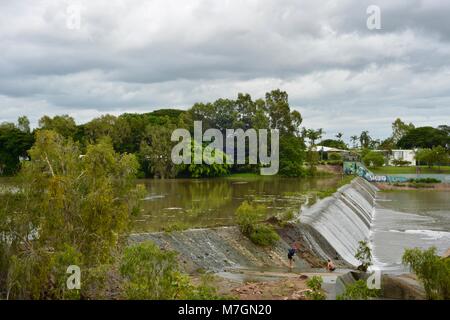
[
  {"x": 250, "y": 218},
  {"x": 432, "y": 270},
  {"x": 147, "y": 136}
]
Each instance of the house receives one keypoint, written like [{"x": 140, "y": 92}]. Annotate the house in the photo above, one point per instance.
[{"x": 395, "y": 157}]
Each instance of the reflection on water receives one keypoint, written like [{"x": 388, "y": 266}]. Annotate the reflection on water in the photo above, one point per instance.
[
  {"x": 408, "y": 219},
  {"x": 212, "y": 202}
]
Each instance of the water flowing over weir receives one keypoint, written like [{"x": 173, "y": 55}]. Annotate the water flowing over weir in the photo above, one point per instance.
[
  {"x": 345, "y": 218},
  {"x": 329, "y": 229}
]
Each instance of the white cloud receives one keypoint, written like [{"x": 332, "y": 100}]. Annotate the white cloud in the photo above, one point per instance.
[{"x": 141, "y": 55}]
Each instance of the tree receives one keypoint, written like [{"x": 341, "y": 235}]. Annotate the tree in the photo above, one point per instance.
[
  {"x": 424, "y": 137},
  {"x": 81, "y": 208},
  {"x": 432, "y": 270},
  {"x": 373, "y": 159},
  {"x": 354, "y": 140},
  {"x": 64, "y": 125},
  {"x": 312, "y": 155},
  {"x": 156, "y": 148},
  {"x": 339, "y": 136},
  {"x": 23, "y": 124},
  {"x": 400, "y": 129},
  {"x": 365, "y": 139},
  {"x": 14, "y": 144}
]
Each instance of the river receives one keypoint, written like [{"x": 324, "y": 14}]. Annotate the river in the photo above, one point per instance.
[{"x": 407, "y": 219}]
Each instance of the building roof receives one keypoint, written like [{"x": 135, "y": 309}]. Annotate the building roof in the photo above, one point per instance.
[{"x": 329, "y": 149}]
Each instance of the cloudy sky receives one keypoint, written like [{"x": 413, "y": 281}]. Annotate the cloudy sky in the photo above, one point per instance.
[{"x": 138, "y": 56}]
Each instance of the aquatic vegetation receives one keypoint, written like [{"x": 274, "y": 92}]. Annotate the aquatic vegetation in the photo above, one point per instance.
[
  {"x": 358, "y": 291},
  {"x": 432, "y": 270}
]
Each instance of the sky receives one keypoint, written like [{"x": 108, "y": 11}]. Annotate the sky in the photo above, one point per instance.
[{"x": 138, "y": 56}]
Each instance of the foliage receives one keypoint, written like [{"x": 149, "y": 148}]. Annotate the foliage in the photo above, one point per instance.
[
  {"x": 14, "y": 143},
  {"x": 434, "y": 156},
  {"x": 64, "y": 125},
  {"x": 68, "y": 207},
  {"x": 152, "y": 273},
  {"x": 249, "y": 218},
  {"x": 358, "y": 291},
  {"x": 292, "y": 156},
  {"x": 425, "y": 180},
  {"x": 338, "y": 144},
  {"x": 312, "y": 156},
  {"x": 424, "y": 137},
  {"x": 400, "y": 163},
  {"x": 364, "y": 256},
  {"x": 432, "y": 270},
  {"x": 157, "y": 154},
  {"x": 373, "y": 159},
  {"x": 316, "y": 292},
  {"x": 204, "y": 169},
  {"x": 400, "y": 129},
  {"x": 335, "y": 156}
]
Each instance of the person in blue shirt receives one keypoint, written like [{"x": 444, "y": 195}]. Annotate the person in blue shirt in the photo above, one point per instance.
[{"x": 291, "y": 252}]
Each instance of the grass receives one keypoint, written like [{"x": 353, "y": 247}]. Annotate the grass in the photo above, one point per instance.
[{"x": 410, "y": 170}]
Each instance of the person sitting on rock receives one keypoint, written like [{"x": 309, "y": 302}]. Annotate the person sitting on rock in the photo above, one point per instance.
[{"x": 330, "y": 265}]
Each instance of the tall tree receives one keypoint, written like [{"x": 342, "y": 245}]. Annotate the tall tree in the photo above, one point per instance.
[{"x": 400, "y": 129}]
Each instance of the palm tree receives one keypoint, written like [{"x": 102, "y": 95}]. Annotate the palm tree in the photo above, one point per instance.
[{"x": 354, "y": 139}]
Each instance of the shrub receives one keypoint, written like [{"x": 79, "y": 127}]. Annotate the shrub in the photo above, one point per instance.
[
  {"x": 373, "y": 159},
  {"x": 263, "y": 235},
  {"x": 151, "y": 273},
  {"x": 364, "y": 256},
  {"x": 432, "y": 270},
  {"x": 400, "y": 163},
  {"x": 249, "y": 218},
  {"x": 358, "y": 291},
  {"x": 316, "y": 292},
  {"x": 334, "y": 156},
  {"x": 425, "y": 180}
]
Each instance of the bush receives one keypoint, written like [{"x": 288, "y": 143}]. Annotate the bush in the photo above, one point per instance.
[
  {"x": 400, "y": 163},
  {"x": 373, "y": 159},
  {"x": 315, "y": 284},
  {"x": 358, "y": 291},
  {"x": 249, "y": 218},
  {"x": 425, "y": 180},
  {"x": 151, "y": 273},
  {"x": 263, "y": 235},
  {"x": 334, "y": 156},
  {"x": 432, "y": 270}
]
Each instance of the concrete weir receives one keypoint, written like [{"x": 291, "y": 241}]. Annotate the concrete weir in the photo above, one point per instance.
[
  {"x": 343, "y": 219},
  {"x": 329, "y": 229}
]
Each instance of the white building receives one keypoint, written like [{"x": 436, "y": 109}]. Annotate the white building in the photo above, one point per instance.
[{"x": 402, "y": 155}]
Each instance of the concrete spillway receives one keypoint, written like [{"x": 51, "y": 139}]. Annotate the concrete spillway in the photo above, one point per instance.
[{"x": 345, "y": 218}]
